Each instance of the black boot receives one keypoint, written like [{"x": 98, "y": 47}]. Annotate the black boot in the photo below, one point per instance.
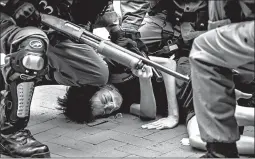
[
  {"x": 221, "y": 150},
  {"x": 23, "y": 144}
]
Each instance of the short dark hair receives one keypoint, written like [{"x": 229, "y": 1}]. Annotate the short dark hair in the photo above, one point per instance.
[{"x": 77, "y": 103}]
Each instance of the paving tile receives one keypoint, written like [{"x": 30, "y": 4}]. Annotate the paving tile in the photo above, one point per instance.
[
  {"x": 65, "y": 128},
  {"x": 77, "y": 135},
  {"x": 197, "y": 154},
  {"x": 45, "y": 136},
  {"x": 168, "y": 134},
  {"x": 113, "y": 153},
  {"x": 139, "y": 151},
  {"x": 132, "y": 140},
  {"x": 59, "y": 131},
  {"x": 120, "y": 137},
  {"x": 106, "y": 126},
  {"x": 140, "y": 132},
  {"x": 58, "y": 121},
  {"x": 178, "y": 138},
  {"x": 133, "y": 156},
  {"x": 100, "y": 137},
  {"x": 134, "y": 130},
  {"x": 91, "y": 130},
  {"x": 189, "y": 149},
  {"x": 36, "y": 129},
  {"x": 126, "y": 119},
  {"x": 52, "y": 155},
  {"x": 71, "y": 143},
  {"x": 164, "y": 147},
  {"x": 108, "y": 145},
  {"x": 127, "y": 127},
  {"x": 65, "y": 151},
  {"x": 177, "y": 153}
]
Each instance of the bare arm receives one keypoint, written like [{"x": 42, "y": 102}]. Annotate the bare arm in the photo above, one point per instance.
[
  {"x": 173, "y": 110},
  {"x": 147, "y": 106},
  {"x": 147, "y": 101}
]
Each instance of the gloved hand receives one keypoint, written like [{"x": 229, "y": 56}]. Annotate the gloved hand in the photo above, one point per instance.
[
  {"x": 118, "y": 37},
  {"x": 128, "y": 41},
  {"x": 23, "y": 12}
]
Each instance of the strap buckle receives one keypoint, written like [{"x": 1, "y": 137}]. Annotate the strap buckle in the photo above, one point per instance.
[
  {"x": 172, "y": 46},
  {"x": 178, "y": 16},
  {"x": 132, "y": 35}
]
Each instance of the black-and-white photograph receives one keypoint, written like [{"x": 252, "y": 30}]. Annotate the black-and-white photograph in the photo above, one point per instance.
[{"x": 127, "y": 78}]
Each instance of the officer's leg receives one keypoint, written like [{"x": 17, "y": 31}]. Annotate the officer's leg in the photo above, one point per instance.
[
  {"x": 217, "y": 15},
  {"x": 77, "y": 65},
  {"x": 213, "y": 56},
  {"x": 23, "y": 66}
]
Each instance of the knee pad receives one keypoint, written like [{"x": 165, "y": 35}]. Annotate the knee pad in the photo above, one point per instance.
[
  {"x": 23, "y": 67},
  {"x": 28, "y": 62},
  {"x": 31, "y": 57}
]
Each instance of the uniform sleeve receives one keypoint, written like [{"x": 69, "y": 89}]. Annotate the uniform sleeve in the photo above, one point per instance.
[
  {"x": 8, "y": 31},
  {"x": 11, "y": 35},
  {"x": 133, "y": 12}
]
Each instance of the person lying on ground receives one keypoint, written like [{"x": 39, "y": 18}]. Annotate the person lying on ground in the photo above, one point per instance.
[{"x": 148, "y": 98}]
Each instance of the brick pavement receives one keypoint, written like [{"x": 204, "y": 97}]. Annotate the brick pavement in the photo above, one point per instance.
[{"x": 121, "y": 137}]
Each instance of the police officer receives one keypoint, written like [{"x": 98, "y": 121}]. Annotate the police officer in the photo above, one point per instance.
[
  {"x": 169, "y": 28},
  {"x": 213, "y": 57},
  {"x": 31, "y": 56}
]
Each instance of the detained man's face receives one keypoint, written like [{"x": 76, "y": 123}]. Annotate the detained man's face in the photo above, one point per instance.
[{"x": 106, "y": 101}]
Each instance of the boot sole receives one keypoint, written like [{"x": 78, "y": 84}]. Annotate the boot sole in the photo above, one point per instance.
[{"x": 38, "y": 155}]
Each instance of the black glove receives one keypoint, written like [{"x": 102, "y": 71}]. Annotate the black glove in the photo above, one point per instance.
[
  {"x": 59, "y": 8},
  {"x": 23, "y": 12},
  {"x": 118, "y": 37},
  {"x": 141, "y": 46}
]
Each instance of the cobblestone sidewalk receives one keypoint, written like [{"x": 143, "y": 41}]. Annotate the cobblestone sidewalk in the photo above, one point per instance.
[{"x": 121, "y": 137}]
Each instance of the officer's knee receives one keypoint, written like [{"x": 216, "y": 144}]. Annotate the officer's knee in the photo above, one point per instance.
[
  {"x": 32, "y": 48},
  {"x": 31, "y": 32}
]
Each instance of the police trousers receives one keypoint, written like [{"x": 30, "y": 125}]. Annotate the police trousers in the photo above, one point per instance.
[{"x": 212, "y": 58}]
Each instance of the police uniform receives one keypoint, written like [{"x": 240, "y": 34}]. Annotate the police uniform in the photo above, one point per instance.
[
  {"x": 212, "y": 58},
  {"x": 168, "y": 23},
  {"x": 30, "y": 55}
]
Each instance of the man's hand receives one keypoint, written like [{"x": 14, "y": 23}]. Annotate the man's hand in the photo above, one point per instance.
[
  {"x": 145, "y": 72},
  {"x": 164, "y": 123}
]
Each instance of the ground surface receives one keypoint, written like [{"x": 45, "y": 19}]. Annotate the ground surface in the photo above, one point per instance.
[{"x": 121, "y": 137}]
